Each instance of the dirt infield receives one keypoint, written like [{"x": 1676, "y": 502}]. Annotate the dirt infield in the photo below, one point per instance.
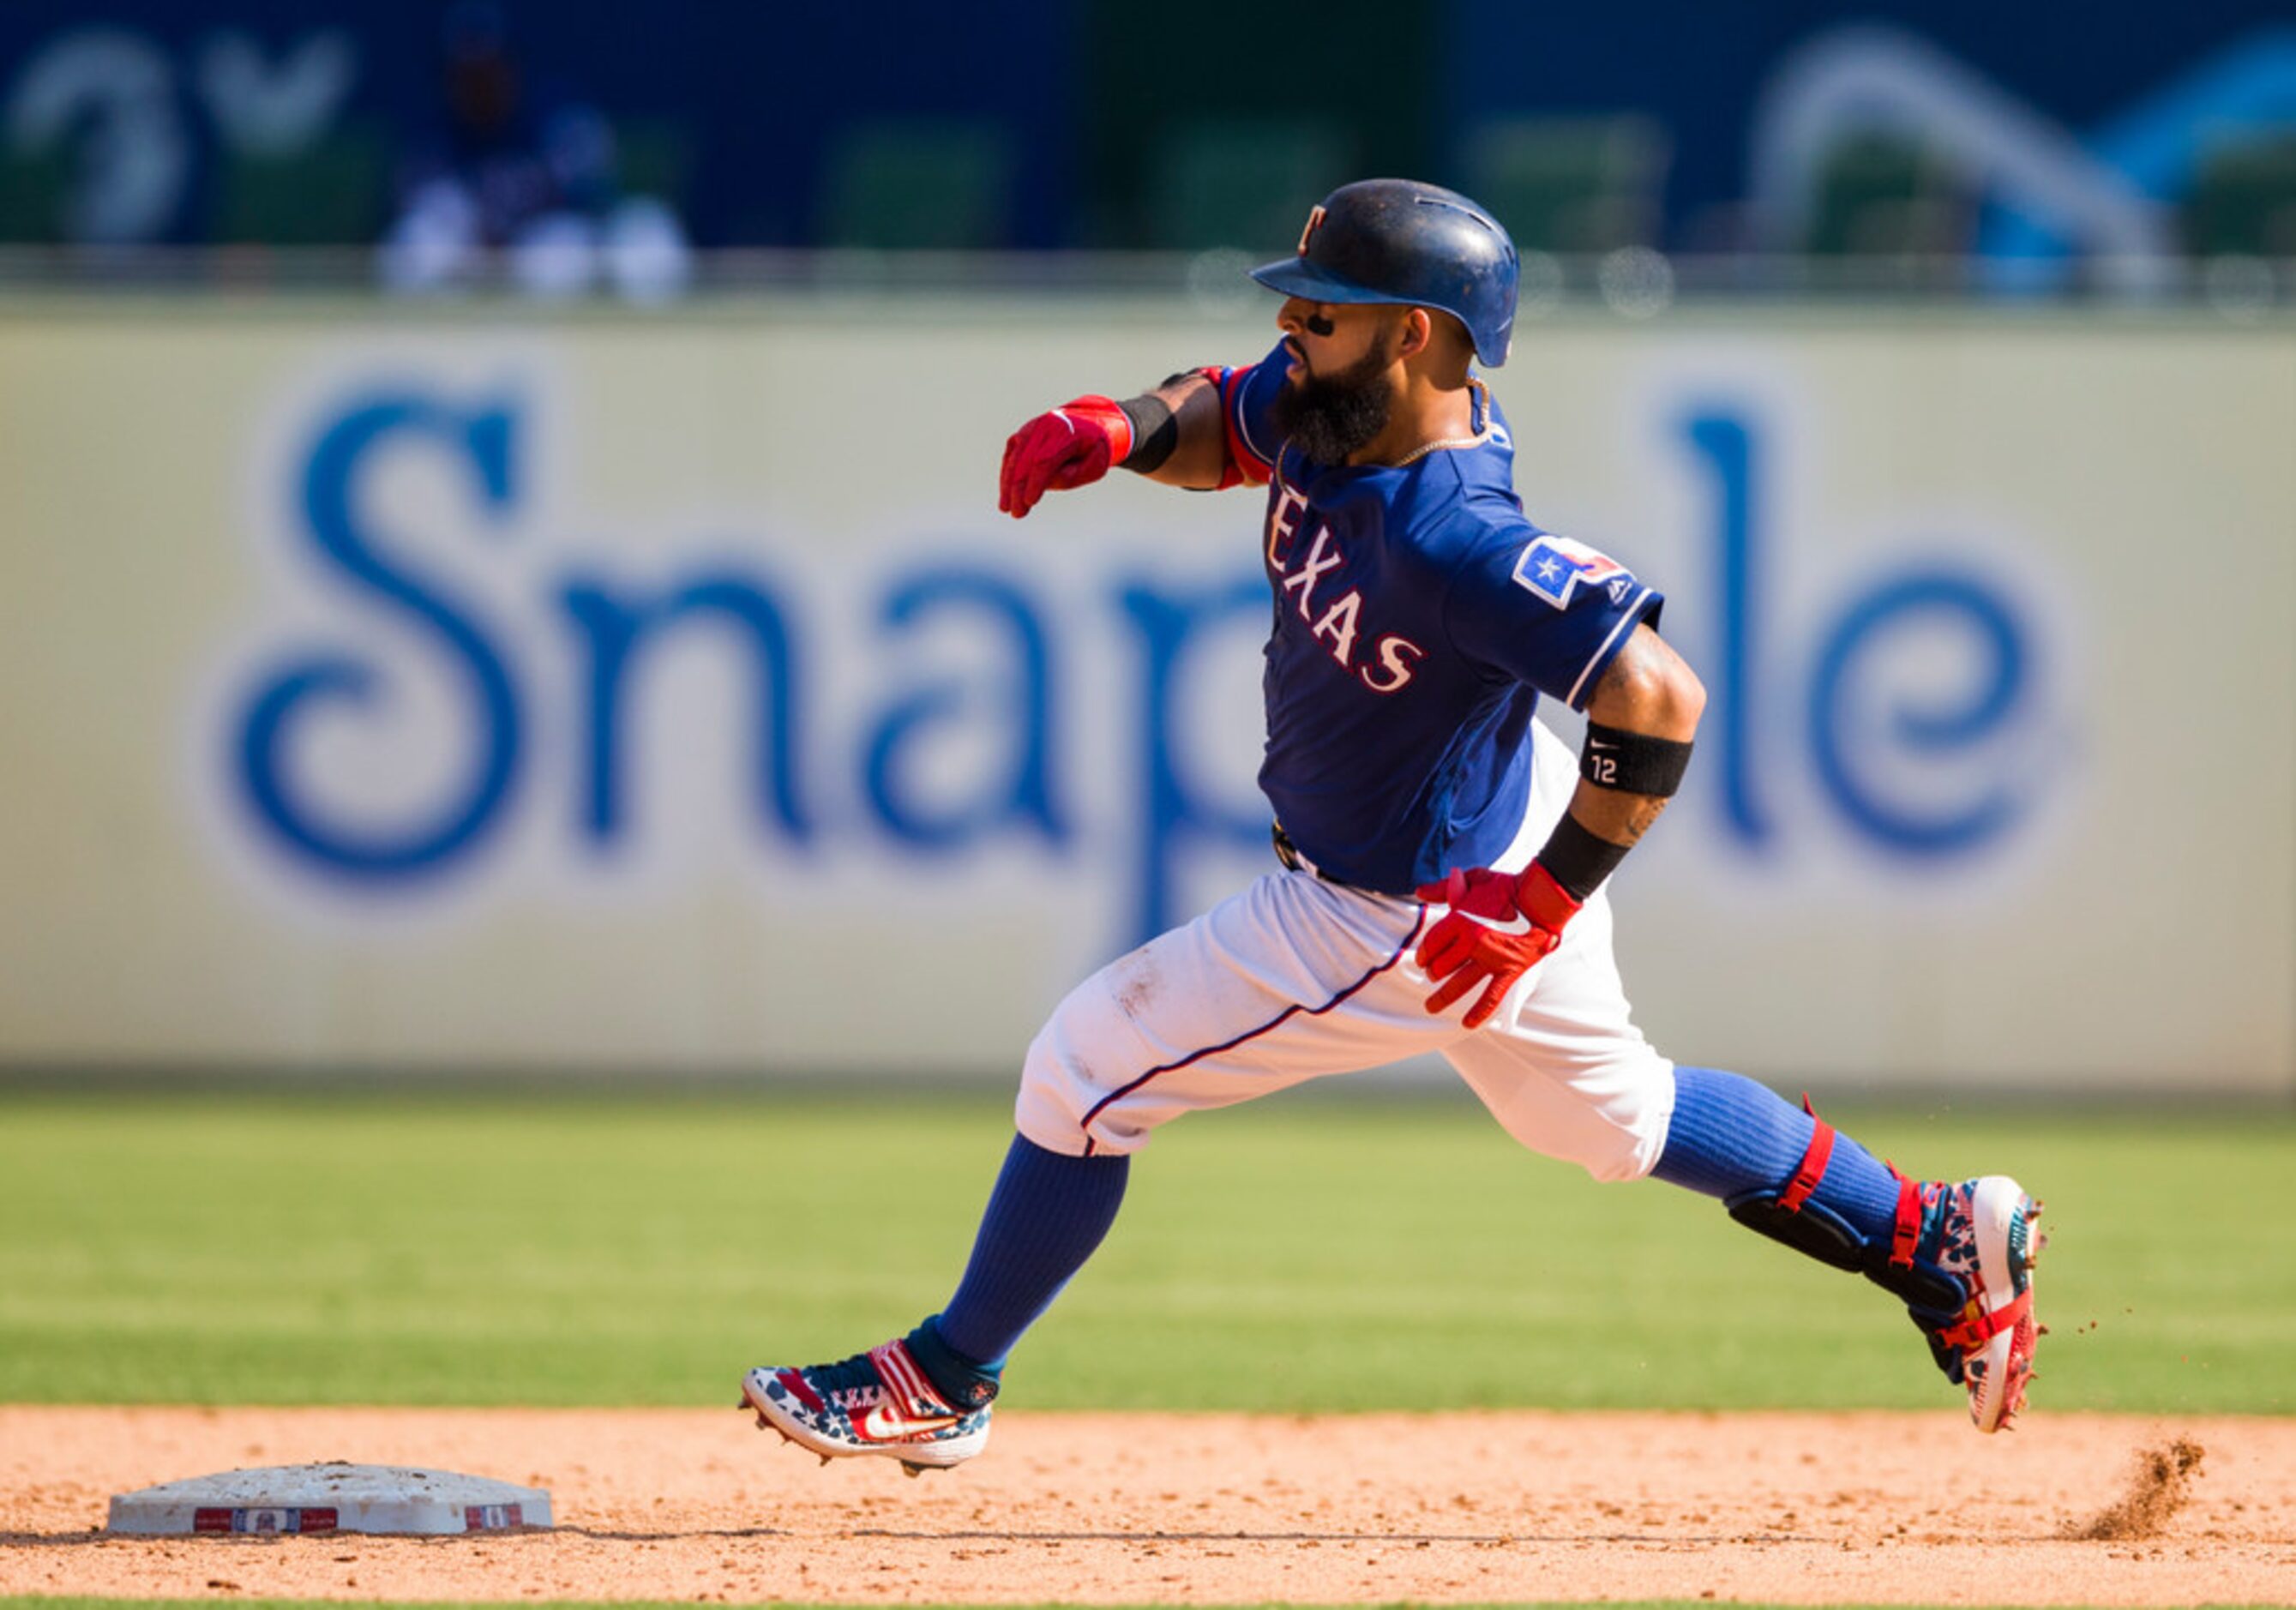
[{"x": 1213, "y": 1508}]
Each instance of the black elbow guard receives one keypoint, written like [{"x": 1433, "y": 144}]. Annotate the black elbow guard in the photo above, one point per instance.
[
  {"x": 1633, "y": 762},
  {"x": 1155, "y": 432}
]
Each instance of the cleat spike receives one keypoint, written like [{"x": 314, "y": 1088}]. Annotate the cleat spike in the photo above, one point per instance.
[
  {"x": 912, "y": 1471},
  {"x": 824, "y": 1458}
]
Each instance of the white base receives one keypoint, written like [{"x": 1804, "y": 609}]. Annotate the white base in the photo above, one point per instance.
[{"x": 331, "y": 1498}]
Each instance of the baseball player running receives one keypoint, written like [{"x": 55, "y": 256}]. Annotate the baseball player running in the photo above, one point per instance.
[{"x": 1443, "y": 854}]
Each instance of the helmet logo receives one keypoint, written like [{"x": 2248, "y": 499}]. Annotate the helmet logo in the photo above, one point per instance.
[{"x": 1315, "y": 222}]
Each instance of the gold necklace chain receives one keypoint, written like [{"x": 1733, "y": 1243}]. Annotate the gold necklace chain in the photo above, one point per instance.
[
  {"x": 1421, "y": 451},
  {"x": 1477, "y": 439}
]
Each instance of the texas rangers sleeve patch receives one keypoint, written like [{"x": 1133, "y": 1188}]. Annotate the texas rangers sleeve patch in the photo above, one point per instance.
[{"x": 1555, "y": 567}]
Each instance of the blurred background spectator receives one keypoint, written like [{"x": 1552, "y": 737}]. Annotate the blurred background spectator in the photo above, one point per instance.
[{"x": 525, "y": 172}]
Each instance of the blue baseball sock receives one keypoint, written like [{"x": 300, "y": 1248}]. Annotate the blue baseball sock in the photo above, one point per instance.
[
  {"x": 1047, "y": 1216},
  {"x": 1730, "y": 1135}
]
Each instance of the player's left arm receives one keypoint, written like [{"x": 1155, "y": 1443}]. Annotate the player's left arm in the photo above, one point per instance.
[
  {"x": 1640, "y": 721},
  {"x": 1195, "y": 430}
]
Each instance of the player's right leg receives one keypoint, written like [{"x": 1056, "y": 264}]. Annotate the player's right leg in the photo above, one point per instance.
[
  {"x": 1567, "y": 1075},
  {"x": 1563, "y": 1067},
  {"x": 1289, "y": 980},
  {"x": 1959, "y": 1255}
]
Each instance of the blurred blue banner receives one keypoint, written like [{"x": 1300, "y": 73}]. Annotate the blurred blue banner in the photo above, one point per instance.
[{"x": 2016, "y": 133}]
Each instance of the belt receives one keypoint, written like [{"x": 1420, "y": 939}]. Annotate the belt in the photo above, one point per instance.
[{"x": 1287, "y": 852}]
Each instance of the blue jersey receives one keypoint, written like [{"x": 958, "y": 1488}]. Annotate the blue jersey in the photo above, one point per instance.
[{"x": 1418, "y": 617}]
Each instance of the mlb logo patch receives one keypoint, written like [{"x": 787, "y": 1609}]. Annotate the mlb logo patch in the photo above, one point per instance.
[{"x": 1553, "y": 566}]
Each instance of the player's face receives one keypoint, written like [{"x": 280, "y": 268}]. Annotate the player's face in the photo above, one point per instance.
[
  {"x": 1339, "y": 386},
  {"x": 1330, "y": 340}
]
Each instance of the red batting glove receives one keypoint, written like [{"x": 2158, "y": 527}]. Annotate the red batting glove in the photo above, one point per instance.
[
  {"x": 1498, "y": 928},
  {"x": 1070, "y": 446}
]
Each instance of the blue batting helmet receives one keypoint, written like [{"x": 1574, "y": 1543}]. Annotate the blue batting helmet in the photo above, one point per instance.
[{"x": 1399, "y": 241}]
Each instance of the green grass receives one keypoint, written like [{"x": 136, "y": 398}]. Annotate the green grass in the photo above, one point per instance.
[{"x": 1294, "y": 1255}]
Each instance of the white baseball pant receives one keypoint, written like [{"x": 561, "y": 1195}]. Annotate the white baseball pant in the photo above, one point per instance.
[{"x": 1295, "y": 978}]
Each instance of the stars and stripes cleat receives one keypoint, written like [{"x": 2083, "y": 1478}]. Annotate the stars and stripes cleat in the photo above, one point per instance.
[
  {"x": 1983, "y": 1232},
  {"x": 877, "y": 1403}
]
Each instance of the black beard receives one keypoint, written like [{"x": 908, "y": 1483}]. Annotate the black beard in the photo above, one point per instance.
[{"x": 1331, "y": 418}]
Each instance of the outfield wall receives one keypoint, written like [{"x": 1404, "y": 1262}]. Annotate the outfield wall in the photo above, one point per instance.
[{"x": 441, "y": 689}]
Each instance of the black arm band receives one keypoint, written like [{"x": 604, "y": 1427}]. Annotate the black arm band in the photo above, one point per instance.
[
  {"x": 1155, "y": 432},
  {"x": 1632, "y": 763},
  {"x": 1578, "y": 859}
]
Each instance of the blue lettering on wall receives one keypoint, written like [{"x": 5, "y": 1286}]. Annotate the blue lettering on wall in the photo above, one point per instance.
[
  {"x": 1173, "y": 818},
  {"x": 1728, "y": 447},
  {"x": 1900, "y": 778},
  {"x": 1843, "y": 752},
  {"x": 614, "y": 628},
  {"x": 1838, "y": 746},
  {"x": 295, "y": 694},
  {"x": 1024, "y": 797}
]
